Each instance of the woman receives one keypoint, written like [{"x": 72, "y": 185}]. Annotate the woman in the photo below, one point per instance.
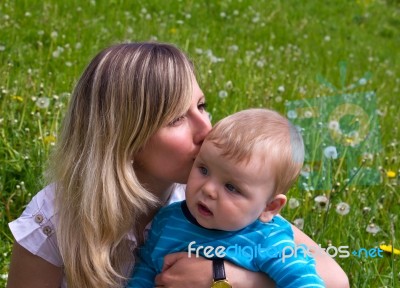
[{"x": 135, "y": 124}]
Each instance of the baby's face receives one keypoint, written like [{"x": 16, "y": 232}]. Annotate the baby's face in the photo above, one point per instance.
[{"x": 225, "y": 195}]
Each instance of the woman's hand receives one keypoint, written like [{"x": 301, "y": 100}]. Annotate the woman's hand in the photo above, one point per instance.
[{"x": 181, "y": 271}]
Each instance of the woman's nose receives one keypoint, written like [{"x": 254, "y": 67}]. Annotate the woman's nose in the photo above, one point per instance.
[{"x": 202, "y": 127}]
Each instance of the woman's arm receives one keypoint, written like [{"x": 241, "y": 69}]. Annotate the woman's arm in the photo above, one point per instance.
[
  {"x": 28, "y": 270},
  {"x": 327, "y": 268},
  {"x": 180, "y": 271}
]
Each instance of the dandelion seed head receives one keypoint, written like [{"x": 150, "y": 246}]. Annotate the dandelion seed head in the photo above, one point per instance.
[
  {"x": 343, "y": 208},
  {"x": 228, "y": 85},
  {"x": 334, "y": 125},
  {"x": 373, "y": 228},
  {"x": 222, "y": 94},
  {"x": 299, "y": 223},
  {"x": 292, "y": 114},
  {"x": 42, "y": 102},
  {"x": 2, "y": 48},
  {"x": 54, "y": 34},
  {"x": 322, "y": 201},
  {"x": 293, "y": 203},
  {"x": 330, "y": 152},
  {"x": 281, "y": 89},
  {"x": 233, "y": 48}
]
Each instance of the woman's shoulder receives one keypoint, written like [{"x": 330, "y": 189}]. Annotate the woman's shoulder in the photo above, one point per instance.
[{"x": 35, "y": 228}]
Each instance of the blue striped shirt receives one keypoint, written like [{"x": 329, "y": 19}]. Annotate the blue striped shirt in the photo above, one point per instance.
[{"x": 266, "y": 247}]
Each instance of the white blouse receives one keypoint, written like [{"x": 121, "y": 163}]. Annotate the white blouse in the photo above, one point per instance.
[{"x": 35, "y": 228}]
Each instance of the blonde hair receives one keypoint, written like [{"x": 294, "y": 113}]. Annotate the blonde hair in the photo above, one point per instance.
[
  {"x": 241, "y": 134},
  {"x": 127, "y": 92}
]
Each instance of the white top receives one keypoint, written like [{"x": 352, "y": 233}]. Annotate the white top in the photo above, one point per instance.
[{"x": 35, "y": 228}]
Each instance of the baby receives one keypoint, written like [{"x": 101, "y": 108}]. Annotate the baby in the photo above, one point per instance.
[{"x": 234, "y": 193}]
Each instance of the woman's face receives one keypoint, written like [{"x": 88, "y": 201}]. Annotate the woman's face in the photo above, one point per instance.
[{"x": 169, "y": 155}]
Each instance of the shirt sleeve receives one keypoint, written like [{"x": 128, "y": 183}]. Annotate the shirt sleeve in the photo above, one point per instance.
[
  {"x": 35, "y": 228},
  {"x": 286, "y": 263}
]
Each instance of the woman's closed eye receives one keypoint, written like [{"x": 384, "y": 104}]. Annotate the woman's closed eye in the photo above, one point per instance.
[
  {"x": 177, "y": 121},
  {"x": 202, "y": 106}
]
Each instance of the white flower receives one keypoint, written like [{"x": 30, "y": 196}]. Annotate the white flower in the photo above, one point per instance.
[
  {"x": 54, "y": 34},
  {"x": 228, "y": 85},
  {"x": 292, "y": 114},
  {"x": 299, "y": 223},
  {"x": 293, "y": 203},
  {"x": 334, "y": 125},
  {"x": 198, "y": 51},
  {"x": 330, "y": 152},
  {"x": 322, "y": 201},
  {"x": 281, "y": 89},
  {"x": 43, "y": 102},
  {"x": 362, "y": 81},
  {"x": 233, "y": 48},
  {"x": 343, "y": 208},
  {"x": 308, "y": 114},
  {"x": 2, "y": 48},
  {"x": 327, "y": 38},
  {"x": 372, "y": 228},
  {"x": 222, "y": 94},
  {"x": 305, "y": 171}
]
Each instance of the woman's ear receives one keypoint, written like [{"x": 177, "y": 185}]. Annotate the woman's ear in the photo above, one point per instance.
[{"x": 272, "y": 208}]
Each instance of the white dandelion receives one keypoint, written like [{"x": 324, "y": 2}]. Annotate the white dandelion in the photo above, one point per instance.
[
  {"x": 330, "y": 152},
  {"x": 373, "y": 228},
  {"x": 334, "y": 125},
  {"x": 293, "y": 203},
  {"x": 292, "y": 114},
  {"x": 222, "y": 94},
  {"x": 299, "y": 223},
  {"x": 43, "y": 102},
  {"x": 322, "y": 201},
  {"x": 281, "y": 89},
  {"x": 343, "y": 208}
]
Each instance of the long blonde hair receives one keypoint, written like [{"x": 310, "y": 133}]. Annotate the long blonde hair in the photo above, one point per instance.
[{"x": 127, "y": 92}]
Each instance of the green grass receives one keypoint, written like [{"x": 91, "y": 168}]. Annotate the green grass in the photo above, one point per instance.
[{"x": 249, "y": 49}]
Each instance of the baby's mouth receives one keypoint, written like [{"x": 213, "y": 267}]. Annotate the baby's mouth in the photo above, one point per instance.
[{"x": 203, "y": 210}]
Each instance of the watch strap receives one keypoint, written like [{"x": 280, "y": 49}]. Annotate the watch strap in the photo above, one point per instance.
[{"x": 218, "y": 269}]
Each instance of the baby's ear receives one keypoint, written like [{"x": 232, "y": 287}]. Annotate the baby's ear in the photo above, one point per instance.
[{"x": 272, "y": 208}]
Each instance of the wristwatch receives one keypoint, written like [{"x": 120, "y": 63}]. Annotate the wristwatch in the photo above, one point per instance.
[{"x": 220, "y": 280}]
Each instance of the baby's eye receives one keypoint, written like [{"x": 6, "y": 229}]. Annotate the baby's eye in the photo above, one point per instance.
[
  {"x": 231, "y": 188},
  {"x": 203, "y": 170}
]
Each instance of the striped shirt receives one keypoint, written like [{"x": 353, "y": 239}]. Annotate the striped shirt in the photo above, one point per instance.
[{"x": 261, "y": 247}]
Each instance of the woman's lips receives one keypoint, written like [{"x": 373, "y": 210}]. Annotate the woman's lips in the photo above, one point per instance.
[{"x": 203, "y": 210}]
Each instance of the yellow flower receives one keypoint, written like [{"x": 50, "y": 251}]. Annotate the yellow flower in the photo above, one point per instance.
[
  {"x": 390, "y": 249},
  {"x": 18, "y": 98},
  {"x": 391, "y": 174},
  {"x": 49, "y": 139},
  {"x": 172, "y": 30}
]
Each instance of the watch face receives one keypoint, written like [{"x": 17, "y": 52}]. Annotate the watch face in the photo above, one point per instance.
[{"x": 221, "y": 284}]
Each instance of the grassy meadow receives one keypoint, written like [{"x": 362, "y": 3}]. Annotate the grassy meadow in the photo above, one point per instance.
[{"x": 306, "y": 59}]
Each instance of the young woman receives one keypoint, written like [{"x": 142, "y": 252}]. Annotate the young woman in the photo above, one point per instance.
[{"x": 135, "y": 124}]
